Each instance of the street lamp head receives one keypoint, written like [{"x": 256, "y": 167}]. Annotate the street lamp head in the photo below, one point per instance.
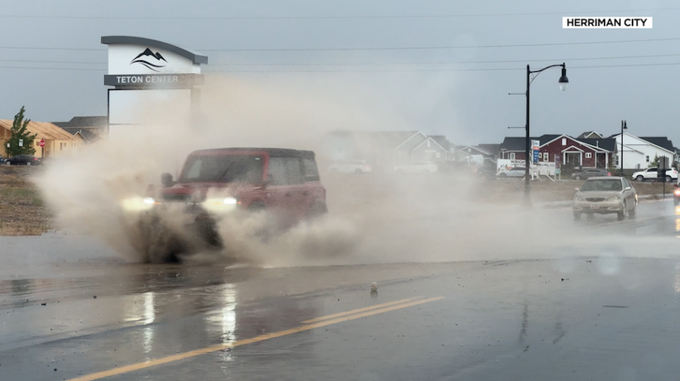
[{"x": 563, "y": 79}]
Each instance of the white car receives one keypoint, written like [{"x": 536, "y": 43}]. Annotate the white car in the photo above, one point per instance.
[
  {"x": 417, "y": 167},
  {"x": 350, "y": 166},
  {"x": 651, "y": 174}
]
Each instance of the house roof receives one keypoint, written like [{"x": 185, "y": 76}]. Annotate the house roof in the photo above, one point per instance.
[
  {"x": 660, "y": 141},
  {"x": 412, "y": 142},
  {"x": 44, "y": 130},
  {"x": 490, "y": 149},
  {"x": 608, "y": 144},
  {"x": 442, "y": 141},
  {"x": 587, "y": 135},
  {"x": 84, "y": 121},
  {"x": 550, "y": 137},
  {"x": 429, "y": 139},
  {"x": 85, "y": 133},
  {"x": 513, "y": 143}
]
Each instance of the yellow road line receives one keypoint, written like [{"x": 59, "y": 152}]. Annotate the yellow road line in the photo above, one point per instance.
[
  {"x": 219, "y": 347},
  {"x": 377, "y": 306}
]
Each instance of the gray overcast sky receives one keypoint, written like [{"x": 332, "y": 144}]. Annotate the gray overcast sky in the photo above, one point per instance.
[{"x": 439, "y": 91}]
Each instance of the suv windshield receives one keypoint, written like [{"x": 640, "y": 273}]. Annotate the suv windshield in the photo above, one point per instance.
[
  {"x": 224, "y": 169},
  {"x": 601, "y": 185}
]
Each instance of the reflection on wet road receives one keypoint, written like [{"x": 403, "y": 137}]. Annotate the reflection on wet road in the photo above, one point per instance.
[{"x": 581, "y": 311}]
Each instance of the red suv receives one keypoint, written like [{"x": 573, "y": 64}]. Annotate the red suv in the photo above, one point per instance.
[{"x": 217, "y": 182}]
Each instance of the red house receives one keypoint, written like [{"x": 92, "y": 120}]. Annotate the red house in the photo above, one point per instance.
[{"x": 572, "y": 152}]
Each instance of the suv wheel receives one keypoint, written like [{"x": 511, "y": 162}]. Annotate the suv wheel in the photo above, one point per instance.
[
  {"x": 639, "y": 178},
  {"x": 318, "y": 209},
  {"x": 669, "y": 179},
  {"x": 577, "y": 177}
]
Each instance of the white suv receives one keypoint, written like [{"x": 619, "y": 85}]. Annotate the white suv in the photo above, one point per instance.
[
  {"x": 651, "y": 174},
  {"x": 350, "y": 166}
]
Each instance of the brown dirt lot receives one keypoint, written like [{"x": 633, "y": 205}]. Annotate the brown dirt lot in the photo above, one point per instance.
[{"x": 22, "y": 210}]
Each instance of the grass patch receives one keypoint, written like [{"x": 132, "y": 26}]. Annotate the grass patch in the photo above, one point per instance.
[{"x": 22, "y": 208}]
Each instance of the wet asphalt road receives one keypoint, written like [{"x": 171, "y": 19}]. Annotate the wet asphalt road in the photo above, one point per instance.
[{"x": 584, "y": 310}]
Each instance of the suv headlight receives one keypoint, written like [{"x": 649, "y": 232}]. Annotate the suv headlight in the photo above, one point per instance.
[
  {"x": 613, "y": 198},
  {"x": 138, "y": 203},
  {"x": 579, "y": 198},
  {"x": 220, "y": 205}
]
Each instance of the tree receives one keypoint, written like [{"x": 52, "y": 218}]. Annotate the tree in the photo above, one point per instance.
[{"x": 20, "y": 133}]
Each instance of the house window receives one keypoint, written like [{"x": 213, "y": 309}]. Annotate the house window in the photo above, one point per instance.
[
  {"x": 647, "y": 158},
  {"x": 512, "y": 156},
  {"x": 588, "y": 155},
  {"x": 546, "y": 156},
  {"x": 564, "y": 141}
]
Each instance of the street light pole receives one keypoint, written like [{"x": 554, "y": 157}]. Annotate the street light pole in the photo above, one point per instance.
[
  {"x": 624, "y": 126},
  {"x": 563, "y": 81}
]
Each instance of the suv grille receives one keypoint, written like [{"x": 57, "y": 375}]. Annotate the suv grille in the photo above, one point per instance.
[
  {"x": 176, "y": 197},
  {"x": 595, "y": 199}
]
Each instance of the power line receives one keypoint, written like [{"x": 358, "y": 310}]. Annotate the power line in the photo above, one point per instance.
[
  {"x": 369, "y": 17},
  {"x": 440, "y": 70},
  {"x": 440, "y": 47},
  {"x": 363, "y": 71},
  {"x": 52, "y": 48},
  {"x": 375, "y": 48},
  {"x": 56, "y": 62},
  {"x": 445, "y": 62},
  {"x": 375, "y": 63},
  {"x": 50, "y": 68}
]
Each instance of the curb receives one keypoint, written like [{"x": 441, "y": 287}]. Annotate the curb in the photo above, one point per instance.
[{"x": 565, "y": 204}]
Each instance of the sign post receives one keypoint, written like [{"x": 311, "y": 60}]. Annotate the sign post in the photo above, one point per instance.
[{"x": 42, "y": 148}]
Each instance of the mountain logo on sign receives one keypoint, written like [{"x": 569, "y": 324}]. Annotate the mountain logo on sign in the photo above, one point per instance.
[{"x": 151, "y": 60}]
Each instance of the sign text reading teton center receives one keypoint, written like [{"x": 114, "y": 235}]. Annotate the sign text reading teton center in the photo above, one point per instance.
[{"x": 151, "y": 80}]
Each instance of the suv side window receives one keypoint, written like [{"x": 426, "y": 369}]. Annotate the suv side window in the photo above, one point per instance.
[
  {"x": 285, "y": 171},
  {"x": 276, "y": 173},
  {"x": 311, "y": 170},
  {"x": 294, "y": 173}
]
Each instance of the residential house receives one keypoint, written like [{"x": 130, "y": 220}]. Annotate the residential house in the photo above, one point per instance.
[
  {"x": 640, "y": 152},
  {"x": 384, "y": 149},
  {"x": 568, "y": 151},
  {"x": 574, "y": 153},
  {"x": 478, "y": 154},
  {"x": 90, "y": 128},
  {"x": 512, "y": 148},
  {"x": 57, "y": 141},
  {"x": 435, "y": 148}
]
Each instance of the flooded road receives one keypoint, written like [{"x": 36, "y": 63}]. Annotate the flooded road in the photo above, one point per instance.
[{"x": 71, "y": 309}]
